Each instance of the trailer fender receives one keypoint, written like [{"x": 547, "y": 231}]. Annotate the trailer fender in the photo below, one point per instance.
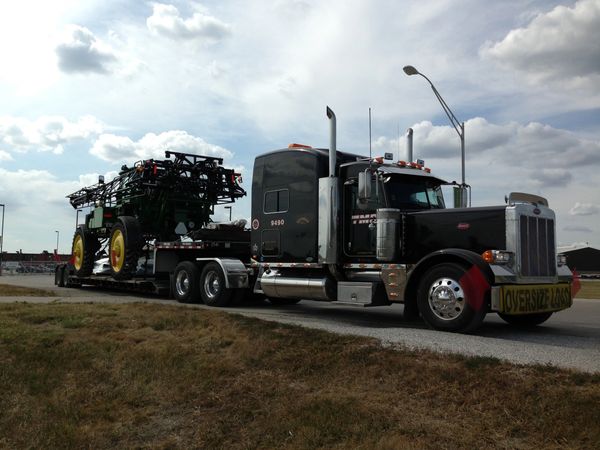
[
  {"x": 469, "y": 259},
  {"x": 236, "y": 273}
]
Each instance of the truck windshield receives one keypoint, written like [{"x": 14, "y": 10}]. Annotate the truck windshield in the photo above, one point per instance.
[{"x": 413, "y": 193}]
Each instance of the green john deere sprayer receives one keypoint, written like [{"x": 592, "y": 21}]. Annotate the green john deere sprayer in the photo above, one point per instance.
[{"x": 155, "y": 200}]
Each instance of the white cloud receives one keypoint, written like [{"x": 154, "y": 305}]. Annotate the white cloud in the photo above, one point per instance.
[
  {"x": 552, "y": 177},
  {"x": 121, "y": 149},
  {"x": 5, "y": 156},
  {"x": 167, "y": 21},
  {"x": 26, "y": 193},
  {"x": 578, "y": 228},
  {"x": 81, "y": 52},
  {"x": 557, "y": 45},
  {"x": 88, "y": 179},
  {"x": 47, "y": 133},
  {"x": 584, "y": 209},
  {"x": 534, "y": 144}
]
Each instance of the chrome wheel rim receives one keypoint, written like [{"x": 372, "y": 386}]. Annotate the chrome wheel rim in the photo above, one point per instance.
[
  {"x": 212, "y": 285},
  {"x": 446, "y": 299},
  {"x": 182, "y": 283}
]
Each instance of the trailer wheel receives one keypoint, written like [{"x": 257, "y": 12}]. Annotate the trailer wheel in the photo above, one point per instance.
[
  {"x": 85, "y": 246},
  {"x": 212, "y": 286},
  {"x": 124, "y": 247},
  {"x": 526, "y": 320},
  {"x": 186, "y": 286},
  {"x": 447, "y": 302},
  {"x": 58, "y": 276}
]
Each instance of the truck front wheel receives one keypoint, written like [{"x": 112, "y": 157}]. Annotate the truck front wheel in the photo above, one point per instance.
[
  {"x": 186, "y": 283},
  {"x": 448, "y": 299},
  {"x": 526, "y": 320},
  {"x": 212, "y": 286}
]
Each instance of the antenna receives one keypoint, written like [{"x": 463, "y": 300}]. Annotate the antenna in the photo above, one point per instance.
[
  {"x": 398, "y": 140},
  {"x": 370, "y": 132}
]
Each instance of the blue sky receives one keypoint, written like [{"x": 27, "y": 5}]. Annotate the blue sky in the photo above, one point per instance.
[{"x": 89, "y": 85}]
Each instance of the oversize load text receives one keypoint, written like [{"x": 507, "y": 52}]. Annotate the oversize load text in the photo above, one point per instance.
[{"x": 545, "y": 298}]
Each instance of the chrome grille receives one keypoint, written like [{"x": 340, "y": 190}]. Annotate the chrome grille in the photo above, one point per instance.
[{"x": 538, "y": 254}]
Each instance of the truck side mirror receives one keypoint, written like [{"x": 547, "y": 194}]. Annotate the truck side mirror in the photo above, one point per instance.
[{"x": 364, "y": 186}]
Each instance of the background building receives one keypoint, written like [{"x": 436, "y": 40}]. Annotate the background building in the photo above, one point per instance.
[{"x": 585, "y": 260}]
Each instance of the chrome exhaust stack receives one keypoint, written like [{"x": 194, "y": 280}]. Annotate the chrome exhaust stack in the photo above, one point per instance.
[
  {"x": 329, "y": 202},
  {"x": 409, "y": 145},
  {"x": 332, "y": 141}
]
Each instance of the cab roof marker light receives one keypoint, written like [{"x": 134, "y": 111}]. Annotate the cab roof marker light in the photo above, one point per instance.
[
  {"x": 427, "y": 169},
  {"x": 378, "y": 160},
  {"x": 401, "y": 163},
  {"x": 294, "y": 145}
]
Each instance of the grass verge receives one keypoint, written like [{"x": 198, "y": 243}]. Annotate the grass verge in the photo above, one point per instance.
[
  {"x": 6, "y": 290},
  {"x": 589, "y": 289},
  {"x": 99, "y": 376}
]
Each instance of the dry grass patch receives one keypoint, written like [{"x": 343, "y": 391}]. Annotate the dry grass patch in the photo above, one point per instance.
[
  {"x": 6, "y": 290},
  {"x": 589, "y": 289},
  {"x": 128, "y": 376}
]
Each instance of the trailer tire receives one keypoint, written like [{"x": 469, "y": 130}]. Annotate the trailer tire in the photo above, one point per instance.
[
  {"x": 85, "y": 246},
  {"x": 125, "y": 244},
  {"x": 186, "y": 282},
  {"x": 212, "y": 286},
  {"x": 445, "y": 303},
  {"x": 65, "y": 273},
  {"x": 58, "y": 276},
  {"x": 526, "y": 320}
]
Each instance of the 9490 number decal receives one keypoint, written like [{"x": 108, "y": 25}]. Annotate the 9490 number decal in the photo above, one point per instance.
[{"x": 277, "y": 222}]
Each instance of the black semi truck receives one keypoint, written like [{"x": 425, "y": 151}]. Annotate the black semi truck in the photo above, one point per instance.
[{"x": 332, "y": 226}]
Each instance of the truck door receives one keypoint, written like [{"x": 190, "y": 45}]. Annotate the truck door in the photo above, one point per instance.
[{"x": 359, "y": 220}]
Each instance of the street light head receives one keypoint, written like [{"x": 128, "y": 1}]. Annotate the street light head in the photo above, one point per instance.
[{"x": 410, "y": 70}]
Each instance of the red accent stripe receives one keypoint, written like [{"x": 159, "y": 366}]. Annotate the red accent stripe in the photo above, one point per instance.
[
  {"x": 576, "y": 285},
  {"x": 475, "y": 286}
]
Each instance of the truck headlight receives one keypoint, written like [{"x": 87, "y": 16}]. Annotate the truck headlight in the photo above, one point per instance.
[
  {"x": 497, "y": 256},
  {"x": 561, "y": 259}
]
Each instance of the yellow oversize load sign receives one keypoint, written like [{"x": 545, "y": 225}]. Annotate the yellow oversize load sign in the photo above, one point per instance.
[{"x": 536, "y": 298}]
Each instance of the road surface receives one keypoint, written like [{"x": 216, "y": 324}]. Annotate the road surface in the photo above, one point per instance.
[{"x": 569, "y": 339}]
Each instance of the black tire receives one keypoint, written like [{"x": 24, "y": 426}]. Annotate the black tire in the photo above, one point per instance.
[
  {"x": 65, "y": 273},
  {"x": 84, "y": 248},
  {"x": 283, "y": 301},
  {"x": 186, "y": 282},
  {"x": 125, "y": 246},
  {"x": 444, "y": 305},
  {"x": 59, "y": 276},
  {"x": 212, "y": 286},
  {"x": 526, "y": 320}
]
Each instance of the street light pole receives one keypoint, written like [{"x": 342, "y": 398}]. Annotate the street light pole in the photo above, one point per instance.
[
  {"x": 458, "y": 126},
  {"x": 57, "y": 235},
  {"x": 2, "y": 237}
]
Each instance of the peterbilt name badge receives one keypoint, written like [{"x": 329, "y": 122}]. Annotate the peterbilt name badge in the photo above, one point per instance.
[
  {"x": 463, "y": 226},
  {"x": 537, "y": 211}
]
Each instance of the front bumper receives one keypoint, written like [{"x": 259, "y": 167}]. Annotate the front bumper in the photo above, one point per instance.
[{"x": 517, "y": 299}]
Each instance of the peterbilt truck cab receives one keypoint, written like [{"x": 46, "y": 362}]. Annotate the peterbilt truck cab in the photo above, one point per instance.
[{"x": 333, "y": 226}]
